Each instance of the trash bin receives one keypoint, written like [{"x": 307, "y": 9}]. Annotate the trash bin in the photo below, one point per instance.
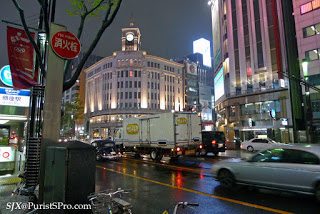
[{"x": 69, "y": 174}]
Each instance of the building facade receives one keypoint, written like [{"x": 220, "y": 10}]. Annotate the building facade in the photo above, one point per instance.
[
  {"x": 78, "y": 90},
  {"x": 130, "y": 83},
  {"x": 307, "y": 24},
  {"x": 251, "y": 95}
]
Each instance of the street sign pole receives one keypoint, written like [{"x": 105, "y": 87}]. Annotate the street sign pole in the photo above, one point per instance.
[{"x": 52, "y": 105}]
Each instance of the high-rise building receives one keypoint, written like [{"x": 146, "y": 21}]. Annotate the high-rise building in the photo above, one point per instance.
[
  {"x": 130, "y": 83},
  {"x": 307, "y": 25},
  {"x": 205, "y": 88},
  {"x": 251, "y": 94}
]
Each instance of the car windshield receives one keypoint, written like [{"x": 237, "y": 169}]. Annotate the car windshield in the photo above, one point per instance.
[
  {"x": 272, "y": 140},
  {"x": 214, "y": 135},
  {"x": 218, "y": 135},
  {"x": 108, "y": 149},
  {"x": 103, "y": 144},
  {"x": 107, "y": 145}
]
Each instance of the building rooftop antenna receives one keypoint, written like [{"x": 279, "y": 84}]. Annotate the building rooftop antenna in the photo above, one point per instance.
[{"x": 131, "y": 23}]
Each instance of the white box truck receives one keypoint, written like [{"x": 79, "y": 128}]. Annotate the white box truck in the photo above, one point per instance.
[{"x": 167, "y": 134}]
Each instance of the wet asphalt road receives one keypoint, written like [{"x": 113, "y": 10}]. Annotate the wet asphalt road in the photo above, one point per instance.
[{"x": 156, "y": 187}]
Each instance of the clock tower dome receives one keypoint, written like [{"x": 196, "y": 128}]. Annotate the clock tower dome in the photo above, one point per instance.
[{"x": 130, "y": 38}]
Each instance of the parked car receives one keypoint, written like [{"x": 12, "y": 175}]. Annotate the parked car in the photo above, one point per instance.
[
  {"x": 106, "y": 149},
  {"x": 256, "y": 144},
  {"x": 292, "y": 168},
  {"x": 96, "y": 138},
  {"x": 213, "y": 141}
]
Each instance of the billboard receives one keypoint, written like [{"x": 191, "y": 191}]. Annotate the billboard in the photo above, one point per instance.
[
  {"x": 205, "y": 99},
  {"x": 191, "y": 68},
  {"x": 218, "y": 85},
  {"x": 203, "y": 46},
  {"x": 216, "y": 33}
]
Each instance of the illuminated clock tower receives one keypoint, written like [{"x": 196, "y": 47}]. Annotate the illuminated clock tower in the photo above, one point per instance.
[{"x": 130, "y": 38}]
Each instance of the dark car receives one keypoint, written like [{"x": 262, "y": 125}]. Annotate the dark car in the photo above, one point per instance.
[
  {"x": 213, "y": 141},
  {"x": 106, "y": 149}
]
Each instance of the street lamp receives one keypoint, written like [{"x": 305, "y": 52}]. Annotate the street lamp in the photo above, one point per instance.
[{"x": 308, "y": 110}]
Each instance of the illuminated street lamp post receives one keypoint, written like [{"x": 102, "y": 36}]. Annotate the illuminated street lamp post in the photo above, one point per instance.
[{"x": 308, "y": 110}]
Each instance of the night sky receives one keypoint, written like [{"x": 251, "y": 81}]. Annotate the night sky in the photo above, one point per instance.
[{"x": 168, "y": 27}]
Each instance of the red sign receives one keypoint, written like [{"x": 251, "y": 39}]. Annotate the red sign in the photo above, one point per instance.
[
  {"x": 65, "y": 45},
  {"x": 5, "y": 154},
  {"x": 20, "y": 53}
]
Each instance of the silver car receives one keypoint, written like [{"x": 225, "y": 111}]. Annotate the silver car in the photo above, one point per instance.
[
  {"x": 256, "y": 144},
  {"x": 293, "y": 168}
]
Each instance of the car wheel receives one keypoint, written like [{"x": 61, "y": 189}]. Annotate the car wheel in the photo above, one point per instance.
[
  {"x": 216, "y": 153},
  {"x": 250, "y": 148},
  {"x": 226, "y": 179},
  {"x": 98, "y": 157},
  {"x": 317, "y": 193}
]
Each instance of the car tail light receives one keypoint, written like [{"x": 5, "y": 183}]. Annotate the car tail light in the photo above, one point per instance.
[
  {"x": 178, "y": 149},
  {"x": 200, "y": 146},
  {"x": 214, "y": 142},
  {"x": 225, "y": 142}
]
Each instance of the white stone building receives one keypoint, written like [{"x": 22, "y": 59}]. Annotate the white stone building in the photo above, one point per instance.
[{"x": 130, "y": 83}]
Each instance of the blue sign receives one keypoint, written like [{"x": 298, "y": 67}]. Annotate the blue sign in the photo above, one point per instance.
[
  {"x": 11, "y": 97},
  {"x": 273, "y": 113},
  {"x": 5, "y": 76},
  {"x": 9, "y": 91}
]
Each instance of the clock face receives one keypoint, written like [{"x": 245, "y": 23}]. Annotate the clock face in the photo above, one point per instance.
[{"x": 130, "y": 37}]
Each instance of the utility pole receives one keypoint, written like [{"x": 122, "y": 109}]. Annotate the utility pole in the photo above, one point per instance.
[{"x": 293, "y": 68}]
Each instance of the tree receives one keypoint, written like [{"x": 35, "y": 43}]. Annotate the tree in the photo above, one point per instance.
[
  {"x": 73, "y": 112},
  {"x": 83, "y": 9}
]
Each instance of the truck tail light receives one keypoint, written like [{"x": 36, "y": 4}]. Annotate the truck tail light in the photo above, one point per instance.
[
  {"x": 214, "y": 142},
  {"x": 200, "y": 146},
  {"x": 178, "y": 149}
]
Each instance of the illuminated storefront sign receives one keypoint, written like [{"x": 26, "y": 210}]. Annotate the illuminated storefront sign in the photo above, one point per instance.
[
  {"x": 218, "y": 85},
  {"x": 10, "y": 97},
  {"x": 203, "y": 46},
  {"x": 312, "y": 5}
]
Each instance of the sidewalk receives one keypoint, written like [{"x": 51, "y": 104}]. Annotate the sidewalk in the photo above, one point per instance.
[{"x": 7, "y": 185}]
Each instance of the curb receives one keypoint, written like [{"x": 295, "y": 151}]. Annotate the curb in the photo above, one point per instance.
[{"x": 4, "y": 181}]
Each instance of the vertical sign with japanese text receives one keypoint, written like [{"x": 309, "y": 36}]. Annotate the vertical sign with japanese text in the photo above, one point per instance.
[{"x": 20, "y": 53}]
